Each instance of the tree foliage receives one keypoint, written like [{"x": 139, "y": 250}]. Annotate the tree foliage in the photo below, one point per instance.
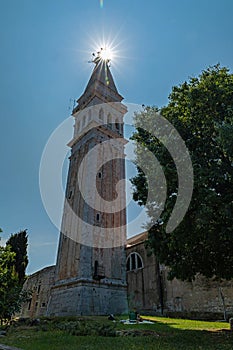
[
  {"x": 11, "y": 294},
  {"x": 18, "y": 244},
  {"x": 201, "y": 110}
]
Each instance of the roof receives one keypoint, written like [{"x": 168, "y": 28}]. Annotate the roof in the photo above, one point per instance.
[
  {"x": 102, "y": 74},
  {"x": 43, "y": 270},
  {"x": 140, "y": 238},
  {"x": 100, "y": 84}
]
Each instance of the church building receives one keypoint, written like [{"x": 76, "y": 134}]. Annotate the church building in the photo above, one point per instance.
[{"x": 98, "y": 271}]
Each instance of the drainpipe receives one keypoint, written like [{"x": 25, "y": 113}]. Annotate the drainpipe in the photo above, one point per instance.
[
  {"x": 143, "y": 289},
  {"x": 223, "y": 304},
  {"x": 160, "y": 286}
]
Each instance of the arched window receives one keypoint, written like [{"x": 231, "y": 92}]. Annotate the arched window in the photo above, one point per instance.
[
  {"x": 101, "y": 114},
  {"x": 134, "y": 262}
]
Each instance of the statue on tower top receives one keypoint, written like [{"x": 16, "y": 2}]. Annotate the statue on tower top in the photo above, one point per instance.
[{"x": 104, "y": 54}]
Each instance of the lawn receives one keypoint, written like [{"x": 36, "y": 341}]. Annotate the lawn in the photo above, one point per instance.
[{"x": 169, "y": 334}]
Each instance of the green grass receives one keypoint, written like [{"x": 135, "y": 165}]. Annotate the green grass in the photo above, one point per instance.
[{"x": 174, "y": 334}]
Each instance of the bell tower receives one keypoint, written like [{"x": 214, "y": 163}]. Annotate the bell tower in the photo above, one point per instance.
[{"x": 90, "y": 276}]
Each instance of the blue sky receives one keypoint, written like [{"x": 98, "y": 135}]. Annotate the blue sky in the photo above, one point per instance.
[{"x": 45, "y": 46}]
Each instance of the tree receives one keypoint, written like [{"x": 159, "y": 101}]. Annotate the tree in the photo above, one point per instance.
[
  {"x": 201, "y": 110},
  {"x": 18, "y": 244},
  {"x": 11, "y": 294}
]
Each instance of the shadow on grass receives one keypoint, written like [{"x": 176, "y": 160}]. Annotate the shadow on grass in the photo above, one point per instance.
[{"x": 53, "y": 336}]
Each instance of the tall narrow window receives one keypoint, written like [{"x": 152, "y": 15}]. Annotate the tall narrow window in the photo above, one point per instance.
[
  {"x": 84, "y": 121},
  {"x": 96, "y": 268},
  {"x": 117, "y": 125},
  {"x": 109, "y": 120},
  {"x": 101, "y": 114},
  {"x": 133, "y": 262},
  {"x": 98, "y": 217}
]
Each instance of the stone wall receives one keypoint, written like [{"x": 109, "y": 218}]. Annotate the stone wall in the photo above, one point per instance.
[
  {"x": 201, "y": 296},
  {"x": 39, "y": 284},
  {"x": 87, "y": 298},
  {"x": 151, "y": 291}
]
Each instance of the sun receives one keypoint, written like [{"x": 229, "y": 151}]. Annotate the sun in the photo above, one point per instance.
[
  {"x": 106, "y": 53},
  {"x": 107, "y": 49}
]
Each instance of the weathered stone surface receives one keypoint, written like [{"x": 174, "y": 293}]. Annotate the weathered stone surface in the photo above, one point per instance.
[
  {"x": 143, "y": 288},
  {"x": 90, "y": 277},
  {"x": 201, "y": 295},
  {"x": 148, "y": 285},
  {"x": 83, "y": 298},
  {"x": 39, "y": 284}
]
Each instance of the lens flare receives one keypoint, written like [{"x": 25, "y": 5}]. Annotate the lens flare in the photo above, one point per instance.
[
  {"x": 106, "y": 53},
  {"x": 101, "y": 4}
]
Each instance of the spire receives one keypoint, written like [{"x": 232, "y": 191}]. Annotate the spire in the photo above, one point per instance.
[
  {"x": 101, "y": 87},
  {"x": 101, "y": 74}
]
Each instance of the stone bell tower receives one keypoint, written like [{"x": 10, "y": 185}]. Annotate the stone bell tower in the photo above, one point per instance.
[{"x": 90, "y": 276}]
